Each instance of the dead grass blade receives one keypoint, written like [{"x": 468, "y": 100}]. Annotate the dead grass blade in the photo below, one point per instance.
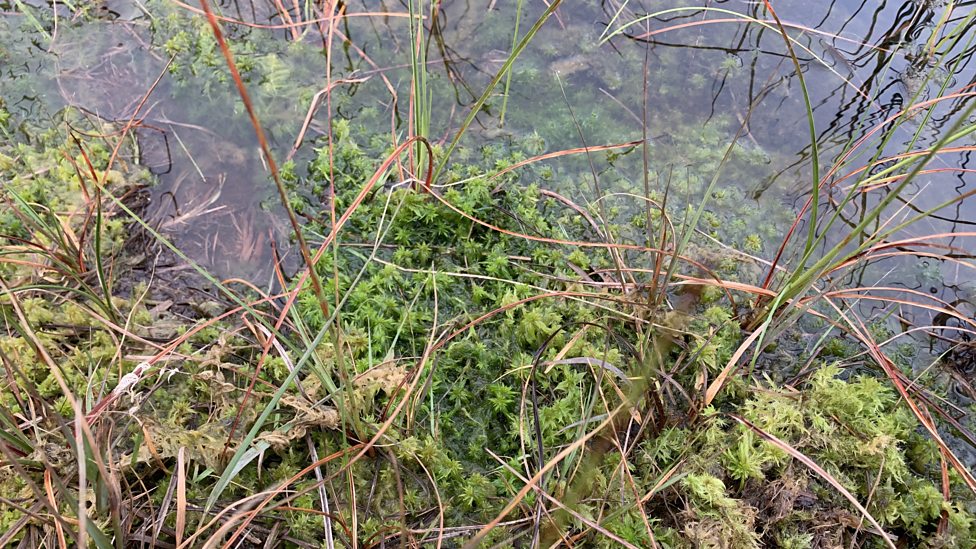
[
  {"x": 129, "y": 381},
  {"x": 181, "y": 502},
  {"x": 266, "y": 149},
  {"x": 723, "y": 376},
  {"x": 330, "y": 19},
  {"x": 562, "y": 153}
]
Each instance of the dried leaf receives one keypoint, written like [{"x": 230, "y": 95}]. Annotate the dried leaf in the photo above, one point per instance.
[
  {"x": 306, "y": 417},
  {"x": 204, "y": 445},
  {"x": 386, "y": 377}
]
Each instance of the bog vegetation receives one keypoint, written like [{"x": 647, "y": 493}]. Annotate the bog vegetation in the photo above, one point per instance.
[{"x": 472, "y": 327}]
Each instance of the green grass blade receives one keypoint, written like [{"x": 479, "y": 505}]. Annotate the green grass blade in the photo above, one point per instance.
[
  {"x": 476, "y": 107},
  {"x": 508, "y": 76}
]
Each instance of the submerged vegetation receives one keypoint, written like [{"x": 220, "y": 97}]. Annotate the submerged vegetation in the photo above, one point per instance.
[{"x": 392, "y": 319}]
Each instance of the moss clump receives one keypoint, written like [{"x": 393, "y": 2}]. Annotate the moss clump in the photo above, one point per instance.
[
  {"x": 716, "y": 519},
  {"x": 49, "y": 240},
  {"x": 749, "y": 490}
]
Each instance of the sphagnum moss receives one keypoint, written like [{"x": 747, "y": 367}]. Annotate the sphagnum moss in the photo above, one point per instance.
[
  {"x": 491, "y": 388},
  {"x": 736, "y": 486},
  {"x": 733, "y": 486}
]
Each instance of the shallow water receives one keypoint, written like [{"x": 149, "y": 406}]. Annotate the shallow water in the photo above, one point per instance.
[{"x": 707, "y": 74}]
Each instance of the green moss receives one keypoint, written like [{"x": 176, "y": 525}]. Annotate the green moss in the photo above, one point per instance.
[
  {"x": 838, "y": 347},
  {"x": 567, "y": 362},
  {"x": 753, "y": 243},
  {"x": 857, "y": 430}
]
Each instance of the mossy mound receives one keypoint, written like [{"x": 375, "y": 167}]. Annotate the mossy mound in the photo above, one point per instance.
[
  {"x": 740, "y": 486},
  {"x": 735, "y": 489}
]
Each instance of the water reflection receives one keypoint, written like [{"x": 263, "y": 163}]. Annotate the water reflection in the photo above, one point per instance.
[
  {"x": 862, "y": 62},
  {"x": 684, "y": 74}
]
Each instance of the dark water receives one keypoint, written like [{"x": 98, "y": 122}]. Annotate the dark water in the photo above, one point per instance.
[{"x": 692, "y": 76}]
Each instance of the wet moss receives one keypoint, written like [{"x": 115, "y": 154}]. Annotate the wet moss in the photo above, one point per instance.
[
  {"x": 857, "y": 430},
  {"x": 565, "y": 361}
]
